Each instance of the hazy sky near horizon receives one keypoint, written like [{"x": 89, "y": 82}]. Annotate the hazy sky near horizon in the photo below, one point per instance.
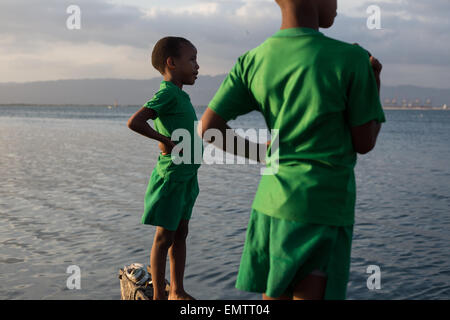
[{"x": 116, "y": 36}]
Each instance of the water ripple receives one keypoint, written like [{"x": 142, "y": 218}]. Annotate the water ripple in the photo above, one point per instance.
[{"x": 73, "y": 189}]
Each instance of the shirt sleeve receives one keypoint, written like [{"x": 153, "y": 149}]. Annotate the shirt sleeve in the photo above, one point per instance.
[
  {"x": 233, "y": 97},
  {"x": 162, "y": 102},
  {"x": 363, "y": 100}
]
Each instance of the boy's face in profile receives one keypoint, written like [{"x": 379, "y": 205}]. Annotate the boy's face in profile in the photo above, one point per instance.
[{"x": 186, "y": 66}]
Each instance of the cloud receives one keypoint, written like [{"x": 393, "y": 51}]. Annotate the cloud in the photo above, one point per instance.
[
  {"x": 113, "y": 24},
  {"x": 116, "y": 36},
  {"x": 202, "y": 9},
  {"x": 65, "y": 60},
  {"x": 33, "y": 32}
]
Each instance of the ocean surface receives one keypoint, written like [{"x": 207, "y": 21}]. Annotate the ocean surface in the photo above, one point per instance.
[{"x": 73, "y": 180}]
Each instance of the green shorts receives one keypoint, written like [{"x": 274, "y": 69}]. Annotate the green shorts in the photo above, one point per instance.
[
  {"x": 170, "y": 195},
  {"x": 279, "y": 253}
]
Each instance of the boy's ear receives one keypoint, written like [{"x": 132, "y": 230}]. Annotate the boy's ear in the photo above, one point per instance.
[{"x": 170, "y": 62}]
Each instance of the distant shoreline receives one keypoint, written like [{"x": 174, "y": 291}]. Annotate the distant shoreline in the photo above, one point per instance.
[{"x": 415, "y": 108}]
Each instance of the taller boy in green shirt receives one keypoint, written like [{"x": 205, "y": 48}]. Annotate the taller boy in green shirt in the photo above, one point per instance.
[{"x": 323, "y": 97}]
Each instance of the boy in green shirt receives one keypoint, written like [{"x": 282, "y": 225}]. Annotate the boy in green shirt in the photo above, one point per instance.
[
  {"x": 321, "y": 95},
  {"x": 173, "y": 186}
]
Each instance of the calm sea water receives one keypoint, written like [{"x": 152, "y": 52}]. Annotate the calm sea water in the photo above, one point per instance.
[{"x": 73, "y": 180}]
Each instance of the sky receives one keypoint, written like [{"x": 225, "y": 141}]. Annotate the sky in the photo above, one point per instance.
[{"x": 116, "y": 37}]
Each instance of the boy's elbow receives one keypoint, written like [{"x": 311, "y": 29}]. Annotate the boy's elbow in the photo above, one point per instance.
[
  {"x": 201, "y": 129},
  {"x": 364, "y": 149},
  {"x": 364, "y": 137},
  {"x": 206, "y": 123},
  {"x": 131, "y": 124}
]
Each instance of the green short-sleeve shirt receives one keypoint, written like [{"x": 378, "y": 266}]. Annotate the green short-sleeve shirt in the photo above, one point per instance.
[
  {"x": 312, "y": 89},
  {"x": 175, "y": 111}
]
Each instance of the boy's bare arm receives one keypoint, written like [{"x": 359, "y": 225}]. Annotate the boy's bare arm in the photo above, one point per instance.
[
  {"x": 377, "y": 67},
  {"x": 211, "y": 120},
  {"x": 364, "y": 137},
  {"x": 138, "y": 123}
]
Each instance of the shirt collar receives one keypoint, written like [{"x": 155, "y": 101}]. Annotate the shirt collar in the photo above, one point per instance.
[
  {"x": 169, "y": 84},
  {"x": 174, "y": 86},
  {"x": 295, "y": 32}
]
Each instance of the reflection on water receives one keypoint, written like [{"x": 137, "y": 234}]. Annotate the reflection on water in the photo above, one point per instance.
[{"x": 74, "y": 178}]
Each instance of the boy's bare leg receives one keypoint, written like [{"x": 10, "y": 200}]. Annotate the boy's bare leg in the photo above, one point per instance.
[
  {"x": 177, "y": 255},
  {"x": 311, "y": 288},
  {"x": 161, "y": 244}
]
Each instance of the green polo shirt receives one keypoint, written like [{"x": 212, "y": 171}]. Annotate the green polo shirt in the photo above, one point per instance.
[
  {"x": 175, "y": 111},
  {"x": 312, "y": 89}
]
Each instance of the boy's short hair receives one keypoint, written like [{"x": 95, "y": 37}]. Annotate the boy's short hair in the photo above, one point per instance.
[{"x": 167, "y": 47}]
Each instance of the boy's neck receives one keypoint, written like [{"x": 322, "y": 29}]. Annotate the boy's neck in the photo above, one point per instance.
[
  {"x": 291, "y": 17},
  {"x": 178, "y": 83}
]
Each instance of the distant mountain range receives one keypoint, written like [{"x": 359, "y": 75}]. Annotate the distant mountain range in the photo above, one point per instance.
[{"x": 137, "y": 92}]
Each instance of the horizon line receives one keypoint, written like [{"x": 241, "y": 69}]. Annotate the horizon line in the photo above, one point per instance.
[
  {"x": 201, "y": 76},
  {"x": 87, "y": 79}
]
